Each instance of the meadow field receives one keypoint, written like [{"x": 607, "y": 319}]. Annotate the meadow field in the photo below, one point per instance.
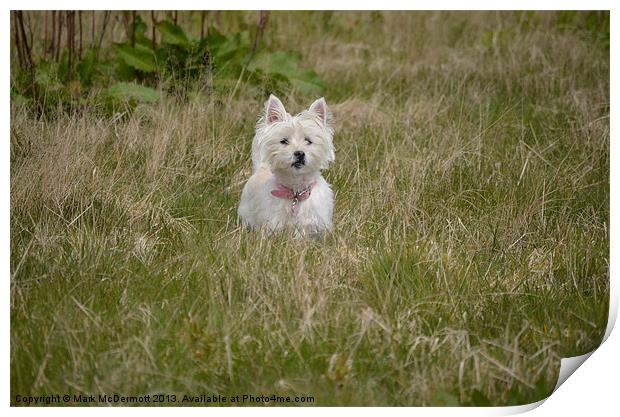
[{"x": 470, "y": 249}]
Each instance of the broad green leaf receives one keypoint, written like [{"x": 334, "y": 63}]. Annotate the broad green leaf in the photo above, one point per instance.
[
  {"x": 244, "y": 38},
  {"x": 275, "y": 63},
  {"x": 285, "y": 64},
  {"x": 172, "y": 34},
  {"x": 139, "y": 57},
  {"x": 214, "y": 38},
  {"x": 307, "y": 82},
  {"x": 233, "y": 48},
  {"x": 132, "y": 91},
  {"x": 140, "y": 26},
  {"x": 307, "y": 87}
]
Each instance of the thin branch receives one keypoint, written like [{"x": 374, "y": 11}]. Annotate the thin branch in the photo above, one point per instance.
[
  {"x": 70, "y": 38},
  {"x": 80, "y": 44},
  {"x": 27, "y": 52},
  {"x": 154, "y": 24},
  {"x": 202, "y": 24},
  {"x": 45, "y": 34},
  {"x": 106, "y": 18},
  {"x": 59, "y": 39},
  {"x": 26, "y": 48},
  {"x": 53, "y": 36},
  {"x": 133, "y": 28},
  {"x": 18, "y": 46},
  {"x": 29, "y": 29},
  {"x": 263, "y": 16},
  {"x": 217, "y": 18},
  {"x": 126, "y": 24},
  {"x": 92, "y": 30}
]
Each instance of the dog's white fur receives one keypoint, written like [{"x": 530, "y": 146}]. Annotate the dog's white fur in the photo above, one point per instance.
[{"x": 273, "y": 163}]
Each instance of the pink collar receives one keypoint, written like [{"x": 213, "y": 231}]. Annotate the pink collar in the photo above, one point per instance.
[{"x": 295, "y": 196}]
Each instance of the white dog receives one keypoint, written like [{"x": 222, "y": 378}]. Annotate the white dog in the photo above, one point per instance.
[{"x": 286, "y": 190}]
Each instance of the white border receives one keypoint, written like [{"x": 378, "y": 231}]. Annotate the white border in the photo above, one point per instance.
[
  {"x": 316, "y": 5},
  {"x": 592, "y": 390}
]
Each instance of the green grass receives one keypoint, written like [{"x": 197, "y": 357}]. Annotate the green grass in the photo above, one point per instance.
[{"x": 470, "y": 250}]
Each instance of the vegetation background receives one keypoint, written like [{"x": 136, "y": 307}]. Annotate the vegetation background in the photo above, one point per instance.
[{"x": 471, "y": 245}]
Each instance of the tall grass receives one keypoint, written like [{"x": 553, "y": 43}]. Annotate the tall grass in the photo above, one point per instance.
[{"x": 471, "y": 245}]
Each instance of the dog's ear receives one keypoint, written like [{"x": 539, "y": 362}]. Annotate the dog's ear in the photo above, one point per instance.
[
  {"x": 319, "y": 107},
  {"x": 274, "y": 110}
]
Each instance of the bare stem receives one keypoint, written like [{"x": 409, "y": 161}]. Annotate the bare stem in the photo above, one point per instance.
[
  {"x": 92, "y": 30},
  {"x": 154, "y": 24},
  {"x": 202, "y": 24},
  {"x": 263, "y": 15},
  {"x": 133, "y": 28},
  {"x": 59, "y": 34},
  {"x": 70, "y": 32},
  {"x": 18, "y": 45},
  {"x": 26, "y": 51},
  {"x": 45, "y": 15},
  {"x": 53, "y": 35},
  {"x": 80, "y": 44},
  {"x": 106, "y": 18}
]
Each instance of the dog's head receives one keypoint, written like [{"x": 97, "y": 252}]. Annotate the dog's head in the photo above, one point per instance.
[{"x": 298, "y": 145}]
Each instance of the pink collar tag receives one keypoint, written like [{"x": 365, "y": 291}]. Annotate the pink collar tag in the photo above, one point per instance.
[{"x": 295, "y": 196}]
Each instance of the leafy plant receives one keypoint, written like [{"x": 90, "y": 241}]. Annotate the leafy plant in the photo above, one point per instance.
[
  {"x": 132, "y": 70},
  {"x": 139, "y": 57},
  {"x": 285, "y": 66},
  {"x": 132, "y": 93}
]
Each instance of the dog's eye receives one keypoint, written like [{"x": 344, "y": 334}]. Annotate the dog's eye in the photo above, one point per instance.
[
  {"x": 284, "y": 141},
  {"x": 309, "y": 141}
]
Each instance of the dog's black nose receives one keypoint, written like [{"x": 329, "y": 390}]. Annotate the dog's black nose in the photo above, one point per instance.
[{"x": 299, "y": 154}]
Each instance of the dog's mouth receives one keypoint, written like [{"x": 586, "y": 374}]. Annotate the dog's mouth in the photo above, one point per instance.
[{"x": 298, "y": 164}]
